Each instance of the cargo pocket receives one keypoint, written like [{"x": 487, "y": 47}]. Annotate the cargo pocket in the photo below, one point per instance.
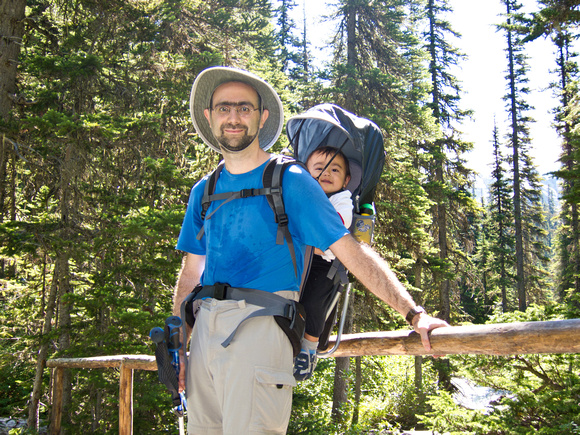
[{"x": 272, "y": 400}]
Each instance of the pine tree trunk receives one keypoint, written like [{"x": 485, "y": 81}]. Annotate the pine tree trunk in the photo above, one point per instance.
[
  {"x": 521, "y": 283},
  {"x": 441, "y": 210},
  {"x": 64, "y": 323},
  {"x": 569, "y": 162},
  {"x": 44, "y": 345},
  {"x": 357, "y": 389},
  {"x": 445, "y": 286},
  {"x": 351, "y": 53},
  {"x": 12, "y": 13},
  {"x": 419, "y": 359},
  {"x": 342, "y": 366},
  {"x": 419, "y": 385}
]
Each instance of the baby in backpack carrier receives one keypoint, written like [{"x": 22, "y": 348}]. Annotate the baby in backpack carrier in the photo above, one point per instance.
[{"x": 317, "y": 294}]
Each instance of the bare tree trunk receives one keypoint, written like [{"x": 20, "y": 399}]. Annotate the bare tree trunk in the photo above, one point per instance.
[
  {"x": 419, "y": 384},
  {"x": 357, "y": 389},
  {"x": 342, "y": 366},
  {"x": 44, "y": 345},
  {"x": 351, "y": 53},
  {"x": 569, "y": 161},
  {"x": 521, "y": 283},
  {"x": 12, "y": 13},
  {"x": 445, "y": 285},
  {"x": 60, "y": 286},
  {"x": 419, "y": 359},
  {"x": 64, "y": 323}
]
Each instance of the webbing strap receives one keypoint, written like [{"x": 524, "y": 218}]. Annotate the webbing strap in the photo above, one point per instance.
[{"x": 228, "y": 196}]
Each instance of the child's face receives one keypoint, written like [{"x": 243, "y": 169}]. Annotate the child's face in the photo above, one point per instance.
[{"x": 334, "y": 177}]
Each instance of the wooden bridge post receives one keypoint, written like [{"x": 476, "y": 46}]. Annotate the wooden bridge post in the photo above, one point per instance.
[
  {"x": 126, "y": 400},
  {"x": 56, "y": 417}
]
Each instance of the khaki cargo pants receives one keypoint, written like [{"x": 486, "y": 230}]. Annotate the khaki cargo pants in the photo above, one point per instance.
[{"x": 245, "y": 388}]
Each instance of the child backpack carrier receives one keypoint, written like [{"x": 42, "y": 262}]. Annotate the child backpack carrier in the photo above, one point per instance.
[{"x": 361, "y": 141}]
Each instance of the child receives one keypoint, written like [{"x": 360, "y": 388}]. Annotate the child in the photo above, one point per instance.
[{"x": 317, "y": 294}]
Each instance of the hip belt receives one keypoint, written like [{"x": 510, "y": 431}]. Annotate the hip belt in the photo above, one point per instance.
[{"x": 289, "y": 314}]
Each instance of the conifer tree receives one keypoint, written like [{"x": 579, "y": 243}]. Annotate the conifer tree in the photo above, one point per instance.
[
  {"x": 448, "y": 184},
  {"x": 289, "y": 43},
  {"x": 530, "y": 222},
  {"x": 535, "y": 235},
  {"x": 368, "y": 71},
  {"x": 102, "y": 176},
  {"x": 475, "y": 298},
  {"x": 500, "y": 224},
  {"x": 519, "y": 130},
  {"x": 566, "y": 87},
  {"x": 371, "y": 77},
  {"x": 11, "y": 31}
]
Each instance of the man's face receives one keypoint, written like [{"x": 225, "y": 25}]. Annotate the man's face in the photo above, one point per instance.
[
  {"x": 334, "y": 178},
  {"x": 233, "y": 127}
]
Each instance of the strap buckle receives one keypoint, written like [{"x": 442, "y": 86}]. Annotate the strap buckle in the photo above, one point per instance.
[
  {"x": 220, "y": 291},
  {"x": 290, "y": 313},
  {"x": 246, "y": 193},
  {"x": 283, "y": 219}
]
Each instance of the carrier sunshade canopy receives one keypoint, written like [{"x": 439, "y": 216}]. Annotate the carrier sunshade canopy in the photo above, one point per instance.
[{"x": 358, "y": 138}]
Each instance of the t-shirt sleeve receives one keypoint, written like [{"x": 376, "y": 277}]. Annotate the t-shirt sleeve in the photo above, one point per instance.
[{"x": 192, "y": 223}]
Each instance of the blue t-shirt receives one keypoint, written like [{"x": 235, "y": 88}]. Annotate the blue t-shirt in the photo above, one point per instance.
[{"x": 240, "y": 238}]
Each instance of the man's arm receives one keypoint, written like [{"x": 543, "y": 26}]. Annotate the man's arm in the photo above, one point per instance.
[
  {"x": 192, "y": 267},
  {"x": 376, "y": 275},
  {"x": 189, "y": 276}
]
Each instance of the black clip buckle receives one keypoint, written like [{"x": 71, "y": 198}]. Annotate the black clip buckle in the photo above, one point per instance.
[
  {"x": 246, "y": 193},
  {"x": 220, "y": 291},
  {"x": 283, "y": 219}
]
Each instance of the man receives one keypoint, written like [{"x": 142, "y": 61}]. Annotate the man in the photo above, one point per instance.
[{"x": 246, "y": 385}]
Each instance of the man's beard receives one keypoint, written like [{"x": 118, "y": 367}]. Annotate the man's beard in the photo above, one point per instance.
[{"x": 237, "y": 144}]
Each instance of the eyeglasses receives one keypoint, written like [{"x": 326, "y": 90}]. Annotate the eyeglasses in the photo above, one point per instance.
[{"x": 244, "y": 110}]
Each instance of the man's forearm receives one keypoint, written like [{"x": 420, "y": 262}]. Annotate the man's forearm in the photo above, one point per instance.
[
  {"x": 374, "y": 273},
  {"x": 377, "y": 276}
]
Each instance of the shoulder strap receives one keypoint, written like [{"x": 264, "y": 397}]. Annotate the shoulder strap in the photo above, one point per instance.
[
  {"x": 210, "y": 188},
  {"x": 272, "y": 179}
]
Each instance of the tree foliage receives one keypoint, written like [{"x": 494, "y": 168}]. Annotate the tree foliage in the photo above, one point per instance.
[{"x": 98, "y": 156}]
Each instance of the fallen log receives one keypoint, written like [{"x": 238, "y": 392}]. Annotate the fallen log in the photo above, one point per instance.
[{"x": 557, "y": 336}]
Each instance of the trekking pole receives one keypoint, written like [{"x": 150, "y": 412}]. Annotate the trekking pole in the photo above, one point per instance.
[
  {"x": 172, "y": 325},
  {"x": 157, "y": 335}
]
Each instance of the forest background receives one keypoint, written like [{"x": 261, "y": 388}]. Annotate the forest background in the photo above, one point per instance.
[{"x": 98, "y": 156}]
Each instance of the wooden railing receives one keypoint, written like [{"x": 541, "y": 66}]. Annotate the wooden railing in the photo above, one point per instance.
[
  {"x": 551, "y": 337},
  {"x": 125, "y": 363}
]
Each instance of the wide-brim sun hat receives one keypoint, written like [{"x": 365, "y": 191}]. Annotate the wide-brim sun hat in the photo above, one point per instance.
[{"x": 200, "y": 99}]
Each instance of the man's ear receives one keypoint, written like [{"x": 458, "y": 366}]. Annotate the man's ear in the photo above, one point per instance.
[
  {"x": 265, "y": 114},
  {"x": 206, "y": 114}
]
